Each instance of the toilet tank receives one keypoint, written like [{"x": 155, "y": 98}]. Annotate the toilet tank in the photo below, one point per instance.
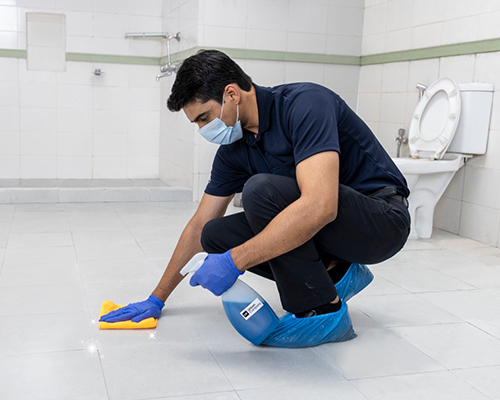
[{"x": 471, "y": 136}]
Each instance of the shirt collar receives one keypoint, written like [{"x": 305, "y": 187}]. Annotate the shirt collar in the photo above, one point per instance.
[{"x": 265, "y": 101}]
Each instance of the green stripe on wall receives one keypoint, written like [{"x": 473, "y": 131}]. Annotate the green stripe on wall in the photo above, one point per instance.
[
  {"x": 109, "y": 58},
  {"x": 268, "y": 55},
  {"x": 483, "y": 46},
  {"x": 13, "y": 53}
]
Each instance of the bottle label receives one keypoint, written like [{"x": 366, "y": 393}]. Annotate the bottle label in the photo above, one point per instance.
[{"x": 251, "y": 309}]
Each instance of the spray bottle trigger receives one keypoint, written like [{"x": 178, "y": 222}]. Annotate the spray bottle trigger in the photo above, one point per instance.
[{"x": 193, "y": 264}]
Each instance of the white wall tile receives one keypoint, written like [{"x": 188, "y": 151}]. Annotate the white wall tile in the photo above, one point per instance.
[
  {"x": 343, "y": 45},
  {"x": 341, "y": 78},
  {"x": 422, "y": 71},
  {"x": 460, "y": 68},
  {"x": 78, "y": 23},
  {"x": 10, "y": 118},
  {"x": 150, "y": 7},
  {"x": 142, "y": 167},
  {"x": 487, "y": 67},
  {"x": 268, "y": 15},
  {"x": 106, "y": 25},
  {"x": 109, "y": 167},
  {"x": 143, "y": 145},
  {"x": 38, "y": 167},
  {"x": 426, "y": 35},
  {"x": 110, "y": 144},
  {"x": 375, "y": 19},
  {"x": 480, "y": 223},
  {"x": 74, "y": 144},
  {"x": 306, "y": 42},
  {"x": 224, "y": 37},
  {"x": 10, "y": 69},
  {"x": 144, "y": 99},
  {"x": 74, "y": 5},
  {"x": 488, "y": 26},
  {"x": 456, "y": 186},
  {"x": 399, "y": 15},
  {"x": 38, "y": 143},
  {"x": 373, "y": 44},
  {"x": 395, "y": 77},
  {"x": 455, "y": 9},
  {"x": 10, "y": 167},
  {"x": 110, "y": 121},
  {"x": 79, "y": 44},
  {"x": 74, "y": 120},
  {"x": 266, "y": 40},
  {"x": 397, "y": 40},
  {"x": 392, "y": 108},
  {"x": 38, "y": 119},
  {"x": 226, "y": 13},
  {"x": 447, "y": 215},
  {"x": 9, "y": 40},
  {"x": 9, "y": 94},
  {"x": 8, "y": 18},
  {"x": 491, "y": 159},
  {"x": 427, "y": 12},
  {"x": 41, "y": 95},
  {"x": 9, "y": 144},
  {"x": 110, "y": 98},
  {"x": 74, "y": 96},
  {"x": 460, "y": 30},
  {"x": 481, "y": 187},
  {"x": 345, "y": 21},
  {"x": 306, "y": 18},
  {"x": 266, "y": 73},
  {"x": 143, "y": 122},
  {"x": 369, "y": 106},
  {"x": 304, "y": 72},
  {"x": 74, "y": 167},
  {"x": 370, "y": 78}
]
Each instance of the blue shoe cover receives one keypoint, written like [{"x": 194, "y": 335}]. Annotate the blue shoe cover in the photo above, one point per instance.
[
  {"x": 357, "y": 277},
  {"x": 293, "y": 332}
]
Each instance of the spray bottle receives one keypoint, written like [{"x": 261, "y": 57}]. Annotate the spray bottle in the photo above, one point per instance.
[{"x": 247, "y": 311}]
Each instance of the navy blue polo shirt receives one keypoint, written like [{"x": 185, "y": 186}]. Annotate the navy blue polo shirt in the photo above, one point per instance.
[{"x": 296, "y": 121}]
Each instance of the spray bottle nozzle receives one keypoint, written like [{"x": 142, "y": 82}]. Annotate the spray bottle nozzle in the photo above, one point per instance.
[{"x": 193, "y": 264}]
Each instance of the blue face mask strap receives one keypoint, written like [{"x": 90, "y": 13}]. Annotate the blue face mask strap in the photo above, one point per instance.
[{"x": 237, "y": 109}]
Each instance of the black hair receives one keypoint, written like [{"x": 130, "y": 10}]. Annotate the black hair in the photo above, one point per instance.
[{"x": 204, "y": 76}]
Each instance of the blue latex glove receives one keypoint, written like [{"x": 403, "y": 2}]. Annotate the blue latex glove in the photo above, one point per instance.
[
  {"x": 217, "y": 274},
  {"x": 136, "y": 311}
]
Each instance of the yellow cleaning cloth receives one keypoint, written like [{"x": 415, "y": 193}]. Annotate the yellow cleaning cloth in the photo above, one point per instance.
[{"x": 108, "y": 306}]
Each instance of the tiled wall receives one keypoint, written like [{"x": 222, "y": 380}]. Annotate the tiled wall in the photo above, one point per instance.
[
  {"x": 318, "y": 26},
  {"x": 74, "y": 124},
  {"x": 387, "y": 95}
]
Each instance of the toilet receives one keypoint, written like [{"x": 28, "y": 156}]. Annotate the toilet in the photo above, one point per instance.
[{"x": 450, "y": 124}]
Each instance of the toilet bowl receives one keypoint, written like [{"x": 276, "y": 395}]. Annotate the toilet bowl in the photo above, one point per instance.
[{"x": 450, "y": 124}]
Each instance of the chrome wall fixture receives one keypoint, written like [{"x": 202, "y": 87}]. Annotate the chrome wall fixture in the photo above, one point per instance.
[{"x": 168, "y": 68}]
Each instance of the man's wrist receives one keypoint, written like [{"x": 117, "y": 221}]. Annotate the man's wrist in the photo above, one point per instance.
[{"x": 239, "y": 258}]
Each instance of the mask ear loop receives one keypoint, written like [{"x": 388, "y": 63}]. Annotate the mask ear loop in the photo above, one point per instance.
[{"x": 222, "y": 109}]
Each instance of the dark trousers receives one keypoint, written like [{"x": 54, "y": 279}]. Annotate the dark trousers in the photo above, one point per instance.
[{"x": 367, "y": 230}]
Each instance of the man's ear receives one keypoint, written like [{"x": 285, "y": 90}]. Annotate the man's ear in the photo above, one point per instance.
[{"x": 233, "y": 92}]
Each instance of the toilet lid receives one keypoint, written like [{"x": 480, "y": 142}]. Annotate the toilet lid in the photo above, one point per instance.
[{"x": 435, "y": 120}]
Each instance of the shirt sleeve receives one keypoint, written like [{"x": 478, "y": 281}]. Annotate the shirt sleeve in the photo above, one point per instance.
[
  {"x": 226, "y": 177},
  {"x": 312, "y": 122}
]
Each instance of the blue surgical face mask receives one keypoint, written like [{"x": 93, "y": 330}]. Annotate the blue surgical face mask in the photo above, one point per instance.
[{"x": 219, "y": 133}]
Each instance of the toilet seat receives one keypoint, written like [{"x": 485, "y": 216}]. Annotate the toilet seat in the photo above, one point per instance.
[{"x": 435, "y": 120}]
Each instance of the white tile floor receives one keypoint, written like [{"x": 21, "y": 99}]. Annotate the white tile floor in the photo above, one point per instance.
[{"x": 428, "y": 326}]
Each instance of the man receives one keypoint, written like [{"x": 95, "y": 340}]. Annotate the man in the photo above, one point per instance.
[{"x": 319, "y": 192}]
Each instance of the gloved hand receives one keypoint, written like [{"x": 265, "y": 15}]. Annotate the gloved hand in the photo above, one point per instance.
[
  {"x": 136, "y": 311},
  {"x": 217, "y": 274}
]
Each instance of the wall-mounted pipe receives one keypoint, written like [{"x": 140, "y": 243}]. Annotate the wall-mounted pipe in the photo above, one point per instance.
[{"x": 145, "y": 35}]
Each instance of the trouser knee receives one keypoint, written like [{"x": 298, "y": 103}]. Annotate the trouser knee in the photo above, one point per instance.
[{"x": 209, "y": 237}]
